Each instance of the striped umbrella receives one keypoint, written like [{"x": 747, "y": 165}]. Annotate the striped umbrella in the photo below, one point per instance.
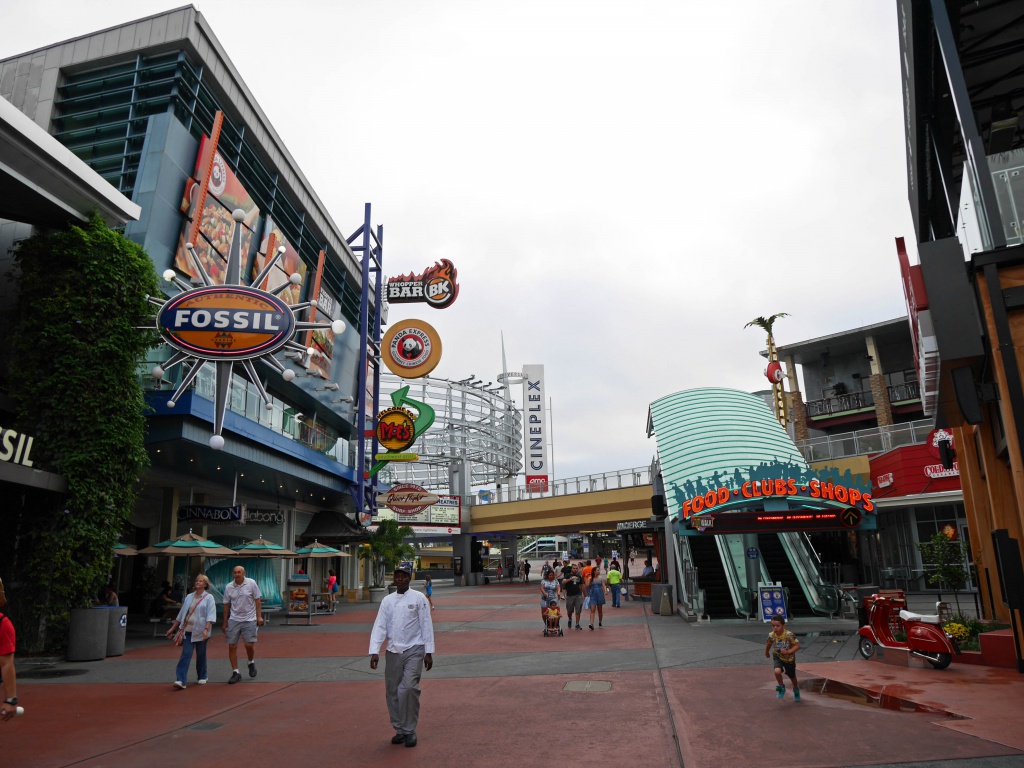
[{"x": 262, "y": 548}]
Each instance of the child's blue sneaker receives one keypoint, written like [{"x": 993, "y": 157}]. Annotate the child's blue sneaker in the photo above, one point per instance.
[
  {"x": 796, "y": 694},
  {"x": 780, "y": 692}
]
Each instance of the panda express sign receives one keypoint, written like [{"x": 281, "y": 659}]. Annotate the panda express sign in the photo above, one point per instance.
[{"x": 226, "y": 323}]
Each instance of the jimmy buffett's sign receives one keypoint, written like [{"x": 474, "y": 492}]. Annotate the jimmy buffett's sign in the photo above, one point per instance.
[
  {"x": 436, "y": 287},
  {"x": 226, "y": 322},
  {"x": 407, "y": 499}
]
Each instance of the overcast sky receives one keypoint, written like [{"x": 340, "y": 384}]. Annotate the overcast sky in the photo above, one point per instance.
[{"x": 622, "y": 186}]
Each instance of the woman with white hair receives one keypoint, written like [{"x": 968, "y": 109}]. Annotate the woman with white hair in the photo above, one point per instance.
[{"x": 194, "y": 623}]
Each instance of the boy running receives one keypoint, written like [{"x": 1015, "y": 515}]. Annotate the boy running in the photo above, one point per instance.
[{"x": 783, "y": 646}]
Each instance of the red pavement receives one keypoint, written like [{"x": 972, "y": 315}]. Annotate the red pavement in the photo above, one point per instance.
[{"x": 489, "y": 712}]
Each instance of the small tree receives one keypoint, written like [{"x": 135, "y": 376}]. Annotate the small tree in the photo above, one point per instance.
[
  {"x": 387, "y": 548},
  {"x": 944, "y": 557}
]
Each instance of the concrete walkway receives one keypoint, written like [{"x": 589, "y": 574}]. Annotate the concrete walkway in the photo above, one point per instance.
[{"x": 643, "y": 690}]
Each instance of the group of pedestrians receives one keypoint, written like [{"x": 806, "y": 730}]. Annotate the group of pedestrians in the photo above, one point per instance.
[{"x": 583, "y": 587}]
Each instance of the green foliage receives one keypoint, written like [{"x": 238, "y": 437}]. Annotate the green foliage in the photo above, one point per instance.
[
  {"x": 387, "y": 548},
  {"x": 76, "y": 346},
  {"x": 944, "y": 559}
]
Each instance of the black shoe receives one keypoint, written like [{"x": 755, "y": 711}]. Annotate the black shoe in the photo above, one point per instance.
[
  {"x": 236, "y": 677},
  {"x": 252, "y": 669},
  {"x": 398, "y": 738},
  {"x": 591, "y": 627},
  {"x": 579, "y": 627},
  {"x": 410, "y": 739}
]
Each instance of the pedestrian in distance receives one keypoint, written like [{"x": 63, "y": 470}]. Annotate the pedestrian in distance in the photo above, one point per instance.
[
  {"x": 243, "y": 615},
  {"x": 614, "y": 578},
  {"x": 782, "y": 646},
  {"x": 9, "y": 708},
  {"x": 191, "y": 630},
  {"x": 501, "y": 573},
  {"x": 428, "y": 588},
  {"x": 526, "y": 571},
  {"x": 403, "y": 620},
  {"x": 331, "y": 583},
  {"x": 595, "y": 593}
]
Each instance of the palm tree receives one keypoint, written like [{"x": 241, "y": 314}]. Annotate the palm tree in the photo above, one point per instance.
[
  {"x": 387, "y": 548},
  {"x": 766, "y": 323}
]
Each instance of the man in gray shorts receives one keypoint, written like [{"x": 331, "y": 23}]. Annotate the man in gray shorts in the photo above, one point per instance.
[
  {"x": 572, "y": 585},
  {"x": 243, "y": 612}
]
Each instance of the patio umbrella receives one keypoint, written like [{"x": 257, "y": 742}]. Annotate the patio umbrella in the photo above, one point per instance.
[
  {"x": 194, "y": 544},
  {"x": 262, "y": 548},
  {"x": 124, "y": 550},
  {"x": 316, "y": 549},
  {"x": 156, "y": 549}
]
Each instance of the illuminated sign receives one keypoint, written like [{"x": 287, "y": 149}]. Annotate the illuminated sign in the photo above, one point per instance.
[
  {"x": 757, "y": 491},
  {"x": 436, "y": 287},
  {"x": 395, "y": 429},
  {"x": 407, "y": 499},
  {"x": 15, "y": 447},
  {"x": 412, "y": 349},
  {"x": 226, "y": 323},
  {"x": 763, "y": 522}
]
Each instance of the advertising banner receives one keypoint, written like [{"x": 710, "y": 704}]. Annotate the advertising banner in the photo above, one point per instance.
[
  {"x": 323, "y": 338},
  {"x": 287, "y": 265},
  {"x": 535, "y": 436},
  {"x": 442, "y": 518},
  {"x": 216, "y": 227}
]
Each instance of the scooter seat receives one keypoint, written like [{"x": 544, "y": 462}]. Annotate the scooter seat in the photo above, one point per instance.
[{"x": 908, "y": 616}]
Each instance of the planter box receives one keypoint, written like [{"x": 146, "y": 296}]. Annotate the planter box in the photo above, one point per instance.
[{"x": 87, "y": 635}]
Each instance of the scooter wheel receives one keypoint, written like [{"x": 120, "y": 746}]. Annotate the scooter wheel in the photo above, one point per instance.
[
  {"x": 941, "y": 660},
  {"x": 866, "y": 648}
]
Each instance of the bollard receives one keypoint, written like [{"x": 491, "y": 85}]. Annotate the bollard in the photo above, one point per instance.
[{"x": 665, "y": 609}]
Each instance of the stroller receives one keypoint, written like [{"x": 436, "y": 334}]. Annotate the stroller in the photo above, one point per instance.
[{"x": 553, "y": 621}]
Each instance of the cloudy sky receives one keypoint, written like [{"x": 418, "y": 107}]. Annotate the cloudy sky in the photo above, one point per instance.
[{"x": 621, "y": 185}]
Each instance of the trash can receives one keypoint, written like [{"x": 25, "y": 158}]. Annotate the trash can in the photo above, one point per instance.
[
  {"x": 87, "y": 634},
  {"x": 863, "y": 593},
  {"x": 657, "y": 590},
  {"x": 117, "y": 628}
]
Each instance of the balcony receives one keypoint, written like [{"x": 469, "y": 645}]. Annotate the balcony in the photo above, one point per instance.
[
  {"x": 858, "y": 401},
  {"x": 864, "y": 441}
]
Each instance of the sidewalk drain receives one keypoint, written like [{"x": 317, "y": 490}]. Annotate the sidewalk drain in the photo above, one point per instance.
[
  {"x": 588, "y": 686},
  {"x": 206, "y": 727}
]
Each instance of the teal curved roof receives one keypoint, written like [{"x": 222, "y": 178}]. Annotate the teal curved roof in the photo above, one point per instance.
[{"x": 708, "y": 436}]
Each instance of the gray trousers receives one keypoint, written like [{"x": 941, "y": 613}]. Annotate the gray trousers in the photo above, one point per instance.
[{"x": 402, "y": 673}]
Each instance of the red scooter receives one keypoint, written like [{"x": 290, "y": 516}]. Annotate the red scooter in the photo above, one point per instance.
[{"x": 888, "y": 620}]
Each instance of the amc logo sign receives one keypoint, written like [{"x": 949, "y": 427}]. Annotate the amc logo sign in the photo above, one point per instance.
[{"x": 226, "y": 323}]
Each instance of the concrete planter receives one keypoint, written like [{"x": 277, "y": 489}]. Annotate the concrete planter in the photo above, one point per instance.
[{"x": 87, "y": 635}]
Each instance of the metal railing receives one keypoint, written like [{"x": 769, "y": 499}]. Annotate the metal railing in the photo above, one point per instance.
[
  {"x": 856, "y": 401},
  {"x": 865, "y": 441},
  {"x": 606, "y": 481}
]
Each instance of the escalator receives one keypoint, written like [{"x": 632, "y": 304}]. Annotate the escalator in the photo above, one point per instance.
[
  {"x": 776, "y": 561},
  {"x": 711, "y": 577}
]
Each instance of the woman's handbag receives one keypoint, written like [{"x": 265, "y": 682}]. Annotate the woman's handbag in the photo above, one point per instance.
[{"x": 179, "y": 636}]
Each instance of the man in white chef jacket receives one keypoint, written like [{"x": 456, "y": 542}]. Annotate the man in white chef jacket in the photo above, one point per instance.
[{"x": 404, "y": 621}]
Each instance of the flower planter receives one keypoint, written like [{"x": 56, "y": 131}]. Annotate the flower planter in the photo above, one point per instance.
[{"x": 87, "y": 635}]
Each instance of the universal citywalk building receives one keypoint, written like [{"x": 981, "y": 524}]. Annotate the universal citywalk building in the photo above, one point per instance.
[{"x": 138, "y": 103}]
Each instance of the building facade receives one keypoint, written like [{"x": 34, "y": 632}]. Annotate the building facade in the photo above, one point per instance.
[
  {"x": 963, "y": 102},
  {"x": 138, "y": 104}
]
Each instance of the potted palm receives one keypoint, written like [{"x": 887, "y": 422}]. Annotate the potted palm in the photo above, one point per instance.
[{"x": 386, "y": 548}]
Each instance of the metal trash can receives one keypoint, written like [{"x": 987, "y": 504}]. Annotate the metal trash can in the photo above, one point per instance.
[
  {"x": 657, "y": 590},
  {"x": 87, "y": 634},
  {"x": 117, "y": 628}
]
